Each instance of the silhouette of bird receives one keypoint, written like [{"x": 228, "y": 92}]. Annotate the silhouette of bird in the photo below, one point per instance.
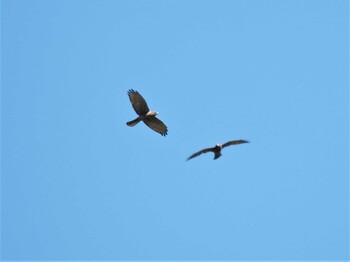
[
  {"x": 145, "y": 114},
  {"x": 217, "y": 149}
]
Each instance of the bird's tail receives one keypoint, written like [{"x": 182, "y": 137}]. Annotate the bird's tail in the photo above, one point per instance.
[
  {"x": 217, "y": 155},
  {"x": 133, "y": 122}
]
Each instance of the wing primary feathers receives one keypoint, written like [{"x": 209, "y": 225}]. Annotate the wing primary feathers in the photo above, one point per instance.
[
  {"x": 138, "y": 102},
  {"x": 234, "y": 142},
  {"x": 156, "y": 124},
  {"x": 206, "y": 150}
]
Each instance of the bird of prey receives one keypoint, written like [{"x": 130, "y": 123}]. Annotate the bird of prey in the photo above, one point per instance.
[
  {"x": 145, "y": 114},
  {"x": 217, "y": 149}
]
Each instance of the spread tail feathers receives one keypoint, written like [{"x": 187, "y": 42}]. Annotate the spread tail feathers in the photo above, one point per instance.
[{"x": 133, "y": 122}]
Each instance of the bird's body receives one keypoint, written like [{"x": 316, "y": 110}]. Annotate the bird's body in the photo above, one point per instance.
[
  {"x": 145, "y": 114},
  {"x": 141, "y": 118},
  {"x": 217, "y": 149}
]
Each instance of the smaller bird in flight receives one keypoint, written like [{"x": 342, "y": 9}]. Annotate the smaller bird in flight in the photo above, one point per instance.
[
  {"x": 145, "y": 114},
  {"x": 217, "y": 149}
]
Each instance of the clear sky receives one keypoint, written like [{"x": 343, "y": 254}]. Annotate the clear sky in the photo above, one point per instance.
[{"x": 77, "y": 183}]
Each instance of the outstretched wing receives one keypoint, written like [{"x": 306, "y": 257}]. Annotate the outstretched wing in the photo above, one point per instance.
[
  {"x": 156, "y": 124},
  {"x": 205, "y": 150},
  {"x": 138, "y": 102},
  {"x": 234, "y": 142}
]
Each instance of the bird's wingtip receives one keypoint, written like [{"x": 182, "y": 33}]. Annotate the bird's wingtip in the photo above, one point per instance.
[{"x": 132, "y": 91}]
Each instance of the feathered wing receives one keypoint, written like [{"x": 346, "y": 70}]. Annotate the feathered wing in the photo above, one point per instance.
[
  {"x": 205, "y": 150},
  {"x": 138, "y": 102},
  {"x": 234, "y": 142},
  {"x": 156, "y": 124}
]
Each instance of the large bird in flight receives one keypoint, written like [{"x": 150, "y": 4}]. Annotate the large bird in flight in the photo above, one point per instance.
[
  {"x": 217, "y": 149},
  {"x": 145, "y": 114}
]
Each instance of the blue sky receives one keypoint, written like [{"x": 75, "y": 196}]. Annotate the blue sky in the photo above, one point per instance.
[{"x": 77, "y": 183}]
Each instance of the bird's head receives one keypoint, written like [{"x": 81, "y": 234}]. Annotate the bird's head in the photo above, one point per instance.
[
  {"x": 219, "y": 146},
  {"x": 152, "y": 113}
]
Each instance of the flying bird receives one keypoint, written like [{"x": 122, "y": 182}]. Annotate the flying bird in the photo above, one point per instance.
[
  {"x": 217, "y": 149},
  {"x": 145, "y": 114}
]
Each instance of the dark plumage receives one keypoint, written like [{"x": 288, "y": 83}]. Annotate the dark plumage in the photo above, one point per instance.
[
  {"x": 145, "y": 114},
  {"x": 217, "y": 149}
]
